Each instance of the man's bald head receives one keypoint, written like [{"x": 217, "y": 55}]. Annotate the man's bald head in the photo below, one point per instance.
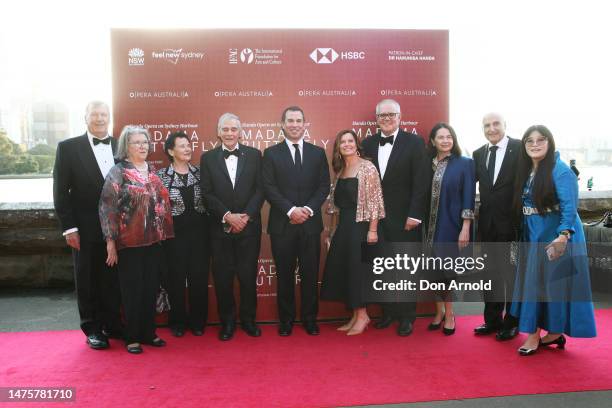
[{"x": 494, "y": 127}]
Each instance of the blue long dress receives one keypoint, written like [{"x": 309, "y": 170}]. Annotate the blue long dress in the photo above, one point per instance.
[{"x": 554, "y": 295}]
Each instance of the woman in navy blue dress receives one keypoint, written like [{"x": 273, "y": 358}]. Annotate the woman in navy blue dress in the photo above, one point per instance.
[
  {"x": 552, "y": 290},
  {"x": 451, "y": 210}
]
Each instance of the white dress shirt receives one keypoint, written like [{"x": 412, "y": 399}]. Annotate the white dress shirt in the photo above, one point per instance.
[
  {"x": 103, "y": 153},
  {"x": 384, "y": 152},
  {"x": 499, "y": 155},
  {"x": 232, "y": 165}
]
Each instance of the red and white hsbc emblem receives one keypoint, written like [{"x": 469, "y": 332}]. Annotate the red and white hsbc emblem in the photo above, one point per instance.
[{"x": 329, "y": 55}]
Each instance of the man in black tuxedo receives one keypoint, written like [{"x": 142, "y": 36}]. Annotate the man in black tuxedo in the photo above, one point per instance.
[
  {"x": 230, "y": 178},
  {"x": 398, "y": 156},
  {"x": 81, "y": 164},
  {"x": 296, "y": 183},
  {"x": 496, "y": 164}
]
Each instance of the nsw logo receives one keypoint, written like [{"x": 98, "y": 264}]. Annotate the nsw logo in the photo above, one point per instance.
[{"x": 135, "y": 56}]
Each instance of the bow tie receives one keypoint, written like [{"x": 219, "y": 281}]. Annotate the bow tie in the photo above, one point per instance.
[
  {"x": 227, "y": 153},
  {"x": 385, "y": 140},
  {"x": 97, "y": 141}
]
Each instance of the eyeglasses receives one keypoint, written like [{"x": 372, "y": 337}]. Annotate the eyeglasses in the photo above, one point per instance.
[
  {"x": 140, "y": 144},
  {"x": 387, "y": 115},
  {"x": 534, "y": 142}
]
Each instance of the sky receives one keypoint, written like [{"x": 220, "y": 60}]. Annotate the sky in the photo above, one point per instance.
[{"x": 546, "y": 62}]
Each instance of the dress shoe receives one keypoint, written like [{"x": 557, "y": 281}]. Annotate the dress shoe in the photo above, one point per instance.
[
  {"x": 134, "y": 348},
  {"x": 285, "y": 329},
  {"x": 507, "y": 334},
  {"x": 447, "y": 331},
  {"x": 227, "y": 331},
  {"x": 384, "y": 322},
  {"x": 404, "y": 328},
  {"x": 311, "y": 328},
  {"x": 524, "y": 351},
  {"x": 157, "y": 342},
  {"x": 435, "y": 326},
  {"x": 359, "y": 327},
  {"x": 197, "y": 332},
  {"x": 251, "y": 329},
  {"x": 97, "y": 341},
  {"x": 484, "y": 329},
  {"x": 177, "y": 331},
  {"x": 559, "y": 341}
]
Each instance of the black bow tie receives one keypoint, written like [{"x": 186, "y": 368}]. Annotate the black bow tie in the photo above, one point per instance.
[
  {"x": 385, "y": 140},
  {"x": 97, "y": 141},
  {"x": 227, "y": 153}
]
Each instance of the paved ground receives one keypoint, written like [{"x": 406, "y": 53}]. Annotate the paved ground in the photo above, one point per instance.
[{"x": 47, "y": 309}]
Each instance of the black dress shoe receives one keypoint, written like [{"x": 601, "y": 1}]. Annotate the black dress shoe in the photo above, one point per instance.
[
  {"x": 447, "y": 331},
  {"x": 311, "y": 328},
  {"x": 285, "y": 329},
  {"x": 384, "y": 322},
  {"x": 404, "y": 328},
  {"x": 97, "y": 341},
  {"x": 177, "y": 331},
  {"x": 435, "y": 326},
  {"x": 197, "y": 332},
  {"x": 251, "y": 329},
  {"x": 227, "y": 331},
  {"x": 507, "y": 334},
  {"x": 484, "y": 329},
  {"x": 157, "y": 342},
  {"x": 134, "y": 348},
  {"x": 559, "y": 341}
]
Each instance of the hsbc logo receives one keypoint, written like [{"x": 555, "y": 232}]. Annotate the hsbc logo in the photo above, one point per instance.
[{"x": 329, "y": 55}]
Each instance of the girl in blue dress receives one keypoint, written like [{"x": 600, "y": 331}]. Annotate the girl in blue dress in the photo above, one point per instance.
[{"x": 552, "y": 289}]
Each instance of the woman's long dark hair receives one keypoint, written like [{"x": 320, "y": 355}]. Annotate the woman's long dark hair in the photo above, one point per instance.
[
  {"x": 456, "y": 150},
  {"x": 543, "y": 189},
  {"x": 337, "y": 160}
]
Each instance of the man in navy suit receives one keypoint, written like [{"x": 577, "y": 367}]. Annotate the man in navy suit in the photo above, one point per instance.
[
  {"x": 81, "y": 164},
  {"x": 296, "y": 183},
  {"x": 496, "y": 164},
  {"x": 398, "y": 156},
  {"x": 230, "y": 178}
]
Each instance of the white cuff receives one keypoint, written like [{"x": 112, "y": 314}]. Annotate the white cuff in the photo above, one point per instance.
[
  {"x": 414, "y": 219},
  {"x": 223, "y": 218},
  {"x": 290, "y": 211},
  {"x": 309, "y": 210},
  {"x": 70, "y": 231}
]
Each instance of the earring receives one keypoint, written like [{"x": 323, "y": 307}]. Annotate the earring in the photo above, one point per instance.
[{"x": 358, "y": 154}]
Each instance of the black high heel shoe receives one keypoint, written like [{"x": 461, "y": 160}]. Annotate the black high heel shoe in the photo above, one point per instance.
[
  {"x": 435, "y": 326},
  {"x": 559, "y": 341},
  {"x": 449, "y": 332}
]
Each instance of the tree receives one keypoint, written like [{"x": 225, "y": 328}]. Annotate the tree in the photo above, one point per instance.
[
  {"x": 42, "y": 150},
  {"x": 26, "y": 164}
]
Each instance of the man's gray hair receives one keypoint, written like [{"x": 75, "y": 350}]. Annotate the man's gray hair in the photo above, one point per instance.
[
  {"x": 388, "y": 102},
  {"x": 95, "y": 104},
  {"x": 124, "y": 139},
  {"x": 227, "y": 116}
]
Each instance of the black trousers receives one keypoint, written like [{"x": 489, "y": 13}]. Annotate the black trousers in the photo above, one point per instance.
[
  {"x": 139, "y": 272},
  {"x": 296, "y": 247},
  {"x": 233, "y": 256},
  {"x": 400, "y": 310},
  {"x": 188, "y": 263},
  {"x": 502, "y": 281},
  {"x": 97, "y": 289}
]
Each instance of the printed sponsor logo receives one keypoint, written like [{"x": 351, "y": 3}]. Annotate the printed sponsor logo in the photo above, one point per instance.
[
  {"x": 135, "y": 57},
  {"x": 409, "y": 56},
  {"x": 329, "y": 55},
  {"x": 173, "y": 56}
]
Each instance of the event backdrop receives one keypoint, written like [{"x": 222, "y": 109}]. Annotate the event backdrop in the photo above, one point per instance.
[{"x": 169, "y": 80}]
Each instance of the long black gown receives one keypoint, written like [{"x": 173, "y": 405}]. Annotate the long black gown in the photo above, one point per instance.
[{"x": 342, "y": 279}]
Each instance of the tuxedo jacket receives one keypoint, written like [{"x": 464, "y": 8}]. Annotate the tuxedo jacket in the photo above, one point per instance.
[
  {"x": 77, "y": 185},
  {"x": 496, "y": 213},
  {"x": 220, "y": 196},
  {"x": 285, "y": 186},
  {"x": 404, "y": 184}
]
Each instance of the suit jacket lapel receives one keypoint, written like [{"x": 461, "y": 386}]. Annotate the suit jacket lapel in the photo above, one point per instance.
[
  {"x": 222, "y": 165},
  {"x": 376, "y": 141},
  {"x": 88, "y": 159},
  {"x": 505, "y": 167},
  {"x": 398, "y": 146},
  {"x": 241, "y": 162}
]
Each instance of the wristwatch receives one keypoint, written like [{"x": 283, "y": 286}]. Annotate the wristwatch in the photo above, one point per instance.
[{"x": 567, "y": 234}]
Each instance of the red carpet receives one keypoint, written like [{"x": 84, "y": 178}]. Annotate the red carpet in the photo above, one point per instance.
[{"x": 377, "y": 367}]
